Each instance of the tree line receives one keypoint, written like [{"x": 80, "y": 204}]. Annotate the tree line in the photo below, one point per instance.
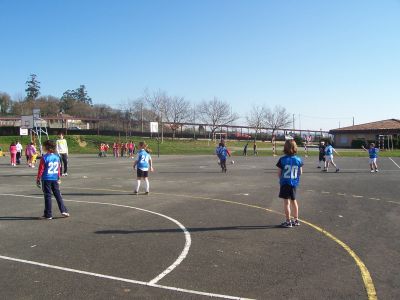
[{"x": 150, "y": 106}]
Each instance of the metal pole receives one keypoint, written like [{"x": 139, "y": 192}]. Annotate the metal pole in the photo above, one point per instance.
[
  {"x": 141, "y": 114},
  {"x": 194, "y": 121},
  {"x": 158, "y": 144},
  {"x": 294, "y": 126}
]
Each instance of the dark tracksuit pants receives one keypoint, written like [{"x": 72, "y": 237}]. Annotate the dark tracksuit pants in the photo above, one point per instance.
[
  {"x": 64, "y": 163},
  {"x": 49, "y": 187},
  {"x": 18, "y": 158}
]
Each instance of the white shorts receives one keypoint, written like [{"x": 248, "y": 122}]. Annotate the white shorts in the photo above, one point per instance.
[
  {"x": 329, "y": 158},
  {"x": 372, "y": 161}
]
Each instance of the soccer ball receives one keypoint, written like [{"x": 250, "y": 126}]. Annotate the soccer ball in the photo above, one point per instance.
[{"x": 232, "y": 162}]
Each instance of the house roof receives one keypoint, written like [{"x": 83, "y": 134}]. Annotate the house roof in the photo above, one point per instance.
[{"x": 390, "y": 125}]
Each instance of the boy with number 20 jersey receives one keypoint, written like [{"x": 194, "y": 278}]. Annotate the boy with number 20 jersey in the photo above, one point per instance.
[{"x": 290, "y": 168}]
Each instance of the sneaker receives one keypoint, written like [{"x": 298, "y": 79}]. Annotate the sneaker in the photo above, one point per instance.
[
  {"x": 325, "y": 170},
  {"x": 295, "y": 222},
  {"x": 337, "y": 170},
  {"x": 372, "y": 171},
  {"x": 135, "y": 192},
  {"x": 286, "y": 224},
  {"x": 65, "y": 174},
  {"x": 376, "y": 170},
  {"x": 46, "y": 218},
  {"x": 319, "y": 167},
  {"x": 146, "y": 193},
  {"x": 65, "y": 214}
]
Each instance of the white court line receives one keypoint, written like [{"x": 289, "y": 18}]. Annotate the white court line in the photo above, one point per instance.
[
  {"x": 117, "y": 278},
  {"x": 151, "y": 283},
  {"x": 394, "y": 162},
  {"x": 182, "y": 256}
]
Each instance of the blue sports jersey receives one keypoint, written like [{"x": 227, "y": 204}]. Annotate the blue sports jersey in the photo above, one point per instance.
[
  {"x": 329, "y": 150},
  {"x": 143, "y": 159},
  {"x": 373, "y": 152},
  {"x": 52, "y": 164},
  {"x": 290, "y": 166},
  {"x": 222, "y": 153}
]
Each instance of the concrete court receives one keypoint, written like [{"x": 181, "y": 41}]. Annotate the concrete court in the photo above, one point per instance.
[{"x": 236, "y": 247}]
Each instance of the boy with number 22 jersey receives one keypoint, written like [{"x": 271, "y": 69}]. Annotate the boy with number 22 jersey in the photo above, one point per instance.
[{"x": 48, "y": 177}]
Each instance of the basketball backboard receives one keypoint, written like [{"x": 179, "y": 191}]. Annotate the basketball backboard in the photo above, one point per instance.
[{"x": 27, "y": 122}]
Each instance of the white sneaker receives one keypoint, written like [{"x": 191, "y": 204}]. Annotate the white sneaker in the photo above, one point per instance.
[
  {"x": 65, "y": 214},
  {"x": 372, "y": 171},
  {"x": 376, "y": 170}
]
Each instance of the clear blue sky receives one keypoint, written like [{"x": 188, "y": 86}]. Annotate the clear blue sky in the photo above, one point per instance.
[{"x": 327, "y": 59}]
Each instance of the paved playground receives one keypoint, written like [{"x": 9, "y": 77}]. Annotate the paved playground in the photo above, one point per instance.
[{"x": 201, "y": 233}]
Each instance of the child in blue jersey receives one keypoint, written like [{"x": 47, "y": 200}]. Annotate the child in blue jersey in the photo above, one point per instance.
[
  {"x": 222, "y": 152},
  {"x": 373, "y": 155},
  {"x": 329, "y": 150},
  {"x": 290, "y": 168},
  {"x": 48, "y": 178},
  {"x": 143, "y": 163}
]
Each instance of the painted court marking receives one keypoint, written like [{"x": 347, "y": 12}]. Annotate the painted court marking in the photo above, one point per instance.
[
  {"x": 151, "y": 283},
  {"x": 367, "y": 280},
  {"x": 118, "y": 278},
  {"x": 176, "y": 263},
  {"x": 366, "y": 276},
  {"x": 394, "y": 162}
]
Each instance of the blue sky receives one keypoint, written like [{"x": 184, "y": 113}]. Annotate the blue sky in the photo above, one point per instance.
[{"x": 325, "y": 61}]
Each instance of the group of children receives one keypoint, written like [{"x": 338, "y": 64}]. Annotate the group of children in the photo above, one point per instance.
[
  {"x": 122, "y": 149},
  {"x": 50, "y": 171},
  {"x": 290, "y": 168},
  {"x": 16, "y": 154}
]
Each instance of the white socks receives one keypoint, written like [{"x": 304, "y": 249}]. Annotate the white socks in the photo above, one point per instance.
[
  {"x": 138, "y": 185},
  {"x": 147, "y": 185}
]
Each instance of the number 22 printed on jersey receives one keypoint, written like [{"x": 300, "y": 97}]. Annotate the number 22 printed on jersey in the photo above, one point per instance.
[{"x": 52, "y": 168}]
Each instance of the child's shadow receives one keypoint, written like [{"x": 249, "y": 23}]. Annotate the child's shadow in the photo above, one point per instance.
[{"x": 14, "y": 218}]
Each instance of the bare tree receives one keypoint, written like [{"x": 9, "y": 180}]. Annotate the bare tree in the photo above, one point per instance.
[
  {"x": 256, "y": 119},
  {"x": 216, "y": 113},
  {"x": 177, "y": 112},
  {"x": 277, "y": 118},
  {"x": 5, "y": 103},
  {"x": 158, "y": 102},
  {"x": 139, "y": 111}
]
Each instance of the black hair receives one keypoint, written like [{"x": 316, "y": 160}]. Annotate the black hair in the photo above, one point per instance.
[{"x": 50, "y": 145}]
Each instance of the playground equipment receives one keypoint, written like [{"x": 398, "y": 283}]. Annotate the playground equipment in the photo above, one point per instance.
[{"x": 385, "y": 142}]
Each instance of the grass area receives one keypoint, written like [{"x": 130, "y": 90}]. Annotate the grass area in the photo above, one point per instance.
[{"x": 88, "y": 144}]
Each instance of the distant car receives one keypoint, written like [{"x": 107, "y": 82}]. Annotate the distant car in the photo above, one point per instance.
[{"x": 75, "y": 128}]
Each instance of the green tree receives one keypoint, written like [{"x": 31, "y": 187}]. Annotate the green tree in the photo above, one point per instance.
[
  {"x": 33, "y": 88},
  {"x": 82, "y": 95},
  {"x": 70, "y": 98}
]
